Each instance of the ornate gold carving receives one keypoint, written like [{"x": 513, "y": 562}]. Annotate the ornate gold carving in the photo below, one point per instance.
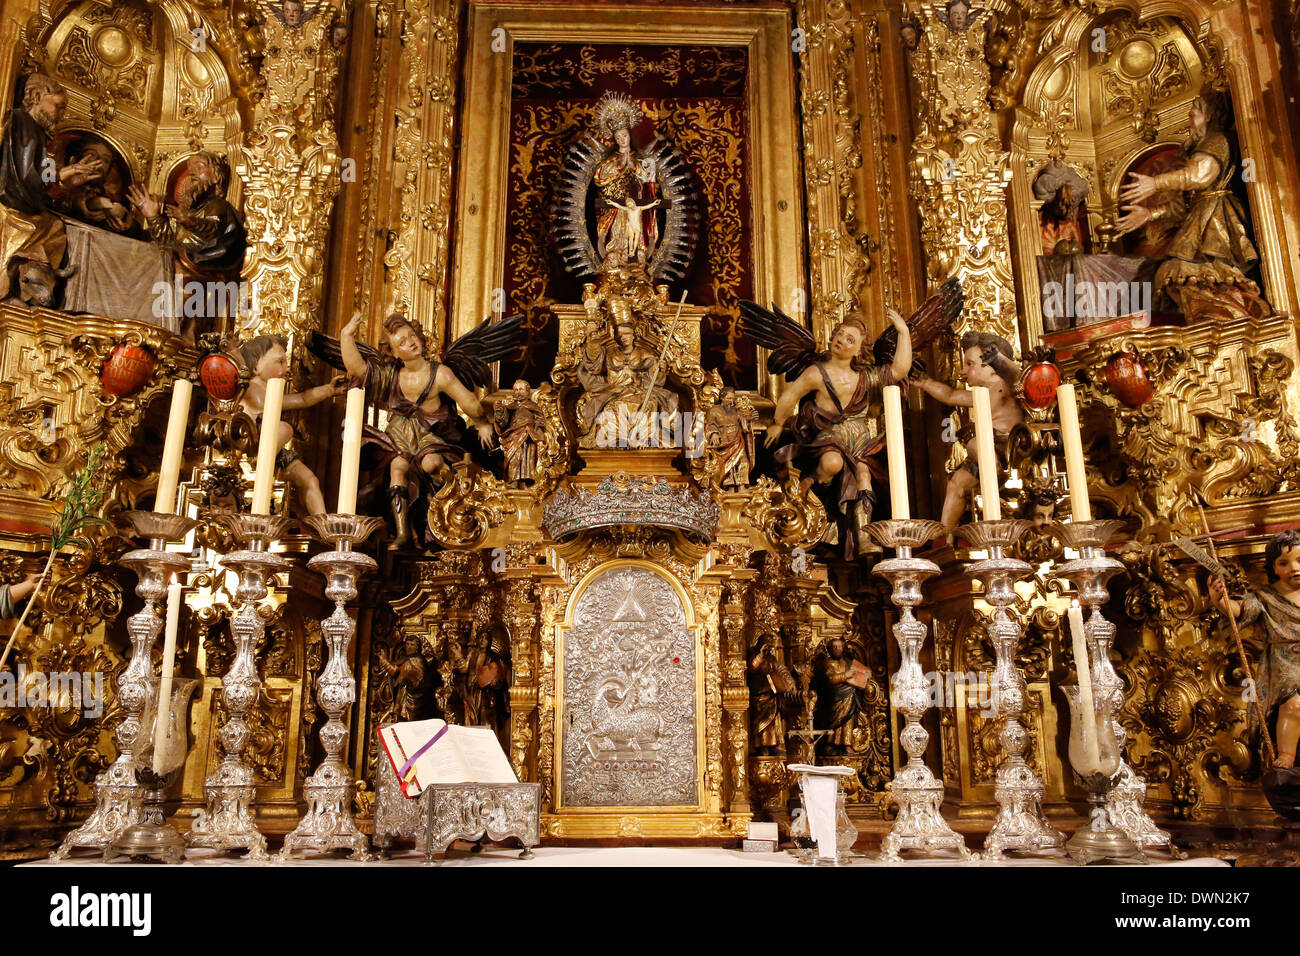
[
  {"x": 832, "y": 154},
  {"x": 790, "y": 515},
  {"x": 471, "y": 502},
  {"x": 1219, "y": 424},
  {"x": 290, "y": 170},
  {"x": 959, "y": 178}
]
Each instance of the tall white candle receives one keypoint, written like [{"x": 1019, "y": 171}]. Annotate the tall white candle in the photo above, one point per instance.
[
  {"x": 163, "y": 723},
  {"x": 1088, "y": 717},
  {"x": 350, "y": 466},
  {"x": 894, "y": 446},
  {"x": 986, "y": 454},
  {"x": 173, "y": 448},
  {"x": 267, "y": 446},
  {"x": 1075, "y": 476}
]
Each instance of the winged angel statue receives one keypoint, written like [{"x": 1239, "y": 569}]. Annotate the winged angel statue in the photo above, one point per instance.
[
  {"x": 837, "y": 395},
  {"x": 421, "y": 396}
]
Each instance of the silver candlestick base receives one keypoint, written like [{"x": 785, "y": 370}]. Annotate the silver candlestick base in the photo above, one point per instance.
[
  {"x": 328, "y": 824},
  {"x": 226, "y": 822},
  {"x": 1126, "y": 791},
  {"x": 153, "y": 838},
  {"x": 118, "y": 794},
  {"x": 920, "y": 825},
  {"x": 1019, "y": 824}
]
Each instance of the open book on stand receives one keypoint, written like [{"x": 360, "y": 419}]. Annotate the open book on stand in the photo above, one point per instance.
[{"x": 425, "y": 752}]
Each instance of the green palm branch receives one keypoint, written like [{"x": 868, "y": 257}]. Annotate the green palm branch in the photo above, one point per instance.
[{"x": 75, "y": 518}]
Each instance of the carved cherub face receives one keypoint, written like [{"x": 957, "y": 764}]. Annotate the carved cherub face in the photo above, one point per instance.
[
  {"x": 1042, "y": 515},
  {"x": 846, "y": 343},
  {"x": 1287, "y": 568},
  {"x": 273, "y": 364},
  {"x": 292, "y": 10},
  {"x": 405, "y": 343},
  {"x": 959, "y": 14},
  {"x": 907, "y": 33},
  {"x": 521, "y": 390},
  {"x": 975, "y": 372}
]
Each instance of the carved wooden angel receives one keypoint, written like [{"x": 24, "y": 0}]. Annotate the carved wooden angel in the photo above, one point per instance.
[
  {"x": 421, "y": 397},
  {"x": 838, "y": 394}
]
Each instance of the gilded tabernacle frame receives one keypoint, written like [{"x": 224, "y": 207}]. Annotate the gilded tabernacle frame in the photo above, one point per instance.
[{"x": 776, "y": 205}]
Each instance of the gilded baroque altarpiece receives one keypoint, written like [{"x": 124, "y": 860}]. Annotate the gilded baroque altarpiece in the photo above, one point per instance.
[{"x": 374, "y": 173}]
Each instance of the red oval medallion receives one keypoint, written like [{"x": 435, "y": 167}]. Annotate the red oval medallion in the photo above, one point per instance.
[
  {"x": 127, "y": 370},
  {"x": 1127, "y": 378},
  {"x": 220, "y": 376},
  {"x": 1040, "y": 385}
]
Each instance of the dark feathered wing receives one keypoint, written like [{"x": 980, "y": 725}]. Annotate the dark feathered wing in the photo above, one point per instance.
[
  {"x": 938, "y": 313},
  {"x": 326, "y": 348},
  {"x": 471, "y": 355},
  {"x": 793, "y": 347}
]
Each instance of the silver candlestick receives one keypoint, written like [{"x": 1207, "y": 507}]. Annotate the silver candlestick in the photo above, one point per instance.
[
  {"x": 328, "y": 824},
  {"x": 118, "y": 794},
  {"x": 1019, "y": 824},
  {"x": 226, "y": 822},
  {"x": 920, "y": 825},
  {"x": 1126, "y": 791}
]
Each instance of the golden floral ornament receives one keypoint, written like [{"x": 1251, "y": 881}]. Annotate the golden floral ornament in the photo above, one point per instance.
[
  {"x": 471, "y": 502},
  {"x": 791, "y": 516}
]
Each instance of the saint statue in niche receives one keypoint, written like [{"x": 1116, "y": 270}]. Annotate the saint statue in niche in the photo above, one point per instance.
[{"x": 1204, "y": 266}]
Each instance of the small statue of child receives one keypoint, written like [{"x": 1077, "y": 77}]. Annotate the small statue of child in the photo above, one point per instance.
[
  {"x": 1276, "y": 607},
  {"x": 266, "y": 358},
  {"x": 987, "y": 361}
]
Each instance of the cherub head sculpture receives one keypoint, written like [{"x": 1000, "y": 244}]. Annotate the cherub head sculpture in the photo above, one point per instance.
[
  {"x": 403, "y": 339},
  {"x": 849, "y": 338}
]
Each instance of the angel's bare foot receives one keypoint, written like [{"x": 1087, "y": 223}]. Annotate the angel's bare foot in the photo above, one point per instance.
[{"x": 1284, "y": 760}]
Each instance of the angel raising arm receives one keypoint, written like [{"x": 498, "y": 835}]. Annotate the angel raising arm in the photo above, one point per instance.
[
  {"x": 836, "y": 392},
  {"x": 421, "y": 396}
]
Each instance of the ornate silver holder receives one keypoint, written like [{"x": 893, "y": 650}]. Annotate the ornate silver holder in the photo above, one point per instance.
[
  {"x": 226, "y": 822},
  {"x": 328, "y": 825},
  {"x": 153, "y": 838},
  {"x": 920, "y": 825},
  {"x": 118, "y": 793},
  {"x": 1099, "y": 840},
  {"x": 1126, "y": 791},
  {"x": 1019, "y": 825}
]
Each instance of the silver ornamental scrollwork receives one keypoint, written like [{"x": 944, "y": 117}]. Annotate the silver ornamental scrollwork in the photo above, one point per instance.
[{"x": 629, "y": 719}]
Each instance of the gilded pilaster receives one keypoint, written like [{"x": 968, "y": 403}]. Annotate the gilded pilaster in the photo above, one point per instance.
[
  {"x": 832, "y": 154},
  {"x": 960, "y": 173},
  {"x": 290, "y": 170}
]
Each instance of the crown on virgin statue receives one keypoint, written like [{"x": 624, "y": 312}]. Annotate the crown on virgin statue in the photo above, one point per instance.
[{"x": 615, "y": 111}]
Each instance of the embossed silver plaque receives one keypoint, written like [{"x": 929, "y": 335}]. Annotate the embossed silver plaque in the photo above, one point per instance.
[{"x": 628, "y": 716}]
